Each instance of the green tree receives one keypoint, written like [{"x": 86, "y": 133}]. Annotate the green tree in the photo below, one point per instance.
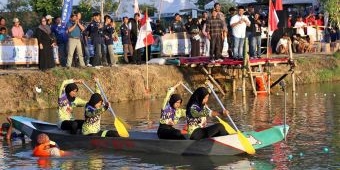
[
  {"x": 151, "y": 9},
  {"x": 200, "y": 4},
  {"x": 44, "y": 7},
  {"x": 333, "y": 8},
  {"x": 87, "y": 7}
]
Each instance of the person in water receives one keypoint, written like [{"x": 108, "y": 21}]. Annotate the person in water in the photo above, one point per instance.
[
  {"x": 197, "y": 111},
  {"x": 93, "y": 111},
  {"x": 170, "y": 115},
  {"x": 46, "y": 148},
  {"x": 67, "y": 101},
  {"x": 7, "y": 133}
]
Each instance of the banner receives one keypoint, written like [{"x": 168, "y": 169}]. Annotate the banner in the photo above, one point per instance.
[
  {"x": 19, "y": 51},
  {"x": 66, "y": 11}
]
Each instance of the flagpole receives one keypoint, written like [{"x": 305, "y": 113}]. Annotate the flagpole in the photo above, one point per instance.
[
  {"x": 160, "y": 9},
  {"x": 268, "y": 29},
  {"x": 146, "y": 56}
]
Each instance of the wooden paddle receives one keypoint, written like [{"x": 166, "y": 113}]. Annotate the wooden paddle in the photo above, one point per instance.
[
  {"x": 244, "y": 141},
  {"x": 120, "y": 119},
  {"x": 118, "y": 124},
  {"x": 227, "y": 127}
]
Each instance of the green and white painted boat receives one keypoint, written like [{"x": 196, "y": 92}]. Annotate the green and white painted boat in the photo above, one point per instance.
[{"x": 149, "y": 142}]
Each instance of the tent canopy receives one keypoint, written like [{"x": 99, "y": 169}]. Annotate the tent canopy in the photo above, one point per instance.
[
  {"x": 210, "y": 5},
  {"x": 174, "y": 6}
]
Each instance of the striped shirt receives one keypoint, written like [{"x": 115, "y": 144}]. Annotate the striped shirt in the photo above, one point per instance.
[{"x": 215, "y": 27}]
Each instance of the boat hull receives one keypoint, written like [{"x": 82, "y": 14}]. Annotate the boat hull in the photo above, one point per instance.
[{"x": 148, "y": 141}]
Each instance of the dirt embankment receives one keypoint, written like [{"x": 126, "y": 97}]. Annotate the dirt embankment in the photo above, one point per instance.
[{"x": 129, "y": 82}]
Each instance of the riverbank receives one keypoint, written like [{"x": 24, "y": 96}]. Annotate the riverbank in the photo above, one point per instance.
[{"x": 129, "y": 82}]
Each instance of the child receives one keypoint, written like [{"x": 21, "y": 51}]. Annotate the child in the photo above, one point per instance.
[
  {"x": 93, "y": 111},
  {"x": 3, "y": 34},
  {"x": 170, "y": 114},
  {"x": 45, "y": 147}
]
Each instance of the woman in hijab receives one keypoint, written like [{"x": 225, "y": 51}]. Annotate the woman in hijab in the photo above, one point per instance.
[
  {"x": 170, "y": 114},
  {"x": 197, "y": 111},
  {"x": 93, "y": 111},
  {"x": 46, "y": 43},
  {"x": 67, "y": 101}
]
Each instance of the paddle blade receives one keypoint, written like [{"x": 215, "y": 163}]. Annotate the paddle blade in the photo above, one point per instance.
[
  {"x": 227, "y": 127},
  {"x": 245, "y": 143},
  {"x": 121, "y": 128},
  {"x": 124, "y": 123}
]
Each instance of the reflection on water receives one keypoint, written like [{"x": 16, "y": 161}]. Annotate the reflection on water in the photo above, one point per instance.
[{"x": 312, "y": 142}]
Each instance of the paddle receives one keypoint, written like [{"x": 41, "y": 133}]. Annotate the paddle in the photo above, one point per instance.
[
  {"x": 124, "y": 123},
  {"x": 227, "y": 127},
  {"x": 118, "y": 124},
  {"x": 244, "y": 141}
]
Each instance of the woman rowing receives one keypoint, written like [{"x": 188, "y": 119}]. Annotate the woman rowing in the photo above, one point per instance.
[
  {"x": 93, "y": 111},
  {"x": 170, "y": 114},
  {"x": 197, "y": 112},
  {"x": 67, "y": 101}
]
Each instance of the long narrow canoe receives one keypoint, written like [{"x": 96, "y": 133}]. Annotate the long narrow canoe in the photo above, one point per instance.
[{"x": 149, "y": 141}]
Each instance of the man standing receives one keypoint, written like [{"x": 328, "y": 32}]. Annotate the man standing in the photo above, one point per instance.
[
  {"x": 238, "y": 24},
  {"x": 134, "y": 25},
  {"x": 221, "y": 16},
  {"x": 59, "y": 31},
  {"x": 74, "y": 28},
  {"x": 250, "y": 31},
  {"x": 205, "y": 39},
  {"x": 125, "y": 32},
  {"x": 95, "y": 30},
  {"x": 215, "y": 29},
  {"x": 177, "y": 25}
]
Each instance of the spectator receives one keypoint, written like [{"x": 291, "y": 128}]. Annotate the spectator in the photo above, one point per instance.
[
  {"x": 289, "y": 21},
  {"x": 188, "y": 24},
  {"x": 256, "y": 41},
  {"x": 49, "y": 20},
  {"x": 300, "y": 25},
  {"x": 334, "y": 37},
  {"x": 320, "y": 21},
  {"x": 232, "y": 12},
  {"x": 215, "y": 29},
  {"x": 177, "y": 25},
  {"x": 159, "y": 30},
  {"x": 250, "y": 31},
  {"x": 3, "y": 35},
  {"x": 310, "y": 19},
  {"x": 125, "y": 33},
  {"x": 282, "y": 45},
  {"x": 239, "y": 24},
  {"x": 60, "y": 32},
  {"x": 17, "y": 31},
  {"x": 134, "y": 25},
  {"x": 74, "y": 28},
  {"x": 46, "y": 42},
  {"x": 194, "y": 31},
  {"x": 3, "y": 23},
  {"x": 108, "y": 31},
  {"x": 95, "y": 30},
  {"x": 221, "y": 16},
  {"x": 84, "y": 41},
  {"x": 205, "y": 35}
]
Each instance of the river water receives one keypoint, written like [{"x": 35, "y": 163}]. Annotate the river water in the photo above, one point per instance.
[{"x": 313, "y": 141}]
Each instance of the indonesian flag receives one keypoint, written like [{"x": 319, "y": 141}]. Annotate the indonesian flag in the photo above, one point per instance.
[
  {"x": 145, "y": 37},
  {"x": 135, "y": 7},
  {"x": 278, "y": 5},
  {"x": 273, "y": 18}
]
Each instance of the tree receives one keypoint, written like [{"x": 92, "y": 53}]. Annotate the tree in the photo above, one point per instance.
[
  {"x": 87, "y": 7},
  {"x": 151, "y": 9},
  {"x": 333, "y": 8},
  {"x": 44, "y": 7}
]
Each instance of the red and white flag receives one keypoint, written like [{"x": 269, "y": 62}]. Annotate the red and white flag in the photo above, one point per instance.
[
  {"x": 278, "y": 5},
  {"x": 136, "y": 7},
  {"x": 273, "y": 18},
  {"x": 145, "y": 37}
]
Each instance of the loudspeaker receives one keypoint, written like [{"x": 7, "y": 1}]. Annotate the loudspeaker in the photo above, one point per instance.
[{"x": 283, "y": 18}]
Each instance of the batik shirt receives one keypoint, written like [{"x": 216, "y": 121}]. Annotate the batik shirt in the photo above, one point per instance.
[
  {"x": 65, "y": 110},
  {"x": 92, "y": 119},
  {"x": 196, "y": 118},
  {"x": 168, "y": 112}
]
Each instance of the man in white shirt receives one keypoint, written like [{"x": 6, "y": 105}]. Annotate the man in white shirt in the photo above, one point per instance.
[
  {"x": 300, "y": 26},
  {"x": 238, "y": 24}
]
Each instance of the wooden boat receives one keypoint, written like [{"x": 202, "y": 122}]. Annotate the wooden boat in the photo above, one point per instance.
[{"x": 148, "y": 141}]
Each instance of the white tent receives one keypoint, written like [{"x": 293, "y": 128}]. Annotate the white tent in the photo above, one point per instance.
[
  {"x": 174, "y": 6},
  {"x": 210, "y": 5}
]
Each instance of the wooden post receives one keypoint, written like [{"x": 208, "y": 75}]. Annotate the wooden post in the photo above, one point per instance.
[
  {"x": 208, "y": 73},
  {"x": 291, "y": 58}
]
